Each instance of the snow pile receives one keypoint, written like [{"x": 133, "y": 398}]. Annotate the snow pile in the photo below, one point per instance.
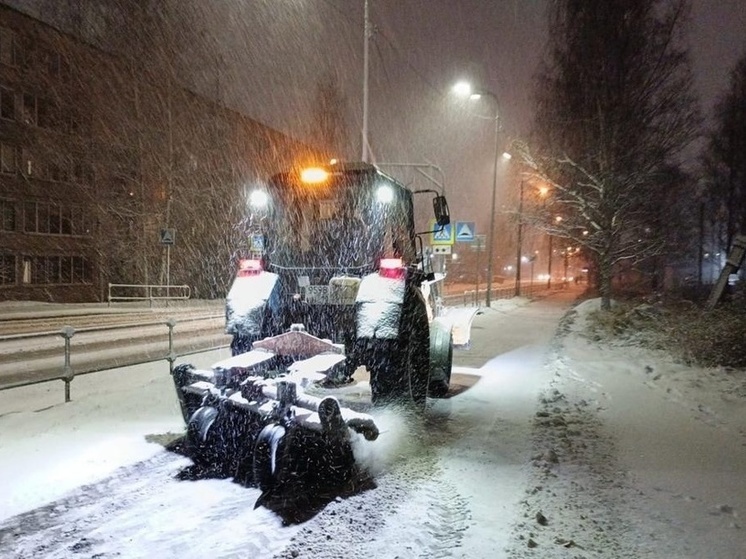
[
  {"x": 48, "y": 447},
  {"x": 634, "y": 455}
]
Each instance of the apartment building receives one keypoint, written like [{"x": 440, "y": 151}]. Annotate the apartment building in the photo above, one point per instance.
[{"x": 98, "y": 155}]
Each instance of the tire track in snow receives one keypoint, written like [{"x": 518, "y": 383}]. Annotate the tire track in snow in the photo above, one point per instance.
[
  {"x": 145, "y": 511},
  {"x": 413, "y": 512}
]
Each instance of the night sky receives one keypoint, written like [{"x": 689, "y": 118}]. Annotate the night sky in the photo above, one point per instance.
[{"x": 264, "y": 57}]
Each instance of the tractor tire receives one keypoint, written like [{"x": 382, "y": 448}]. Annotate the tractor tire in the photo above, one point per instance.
[
  {"x": 418, "y": 358},
  {"x": 401, "y": 374},
  {"x": 441, "y": 362},
  {"x": 270, "y": 463},
  {"x": 386, "y": 385},
  {"x": 198, "y": 442}
]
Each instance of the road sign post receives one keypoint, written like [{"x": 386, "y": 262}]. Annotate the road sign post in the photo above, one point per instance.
[
  {"x": 479, "y": 244},
  {"x": 168, "y": 239}
]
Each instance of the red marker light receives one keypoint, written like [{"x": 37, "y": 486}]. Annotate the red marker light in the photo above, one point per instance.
[
  {"x": 249, "y": 268},
  {"x": 392, "y": 268}
]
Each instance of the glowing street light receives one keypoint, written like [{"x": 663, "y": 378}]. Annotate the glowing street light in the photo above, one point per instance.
[{"x": 464, "y": 89}]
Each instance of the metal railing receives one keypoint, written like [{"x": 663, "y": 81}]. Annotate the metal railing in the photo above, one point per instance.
[
  {"x": 68, "y": 372},
  {"x": 472, "y": 298},
  {"x": 147, "y": 292}
]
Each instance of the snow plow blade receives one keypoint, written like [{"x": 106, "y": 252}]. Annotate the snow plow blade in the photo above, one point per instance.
[{"x": 250, "y": 418}]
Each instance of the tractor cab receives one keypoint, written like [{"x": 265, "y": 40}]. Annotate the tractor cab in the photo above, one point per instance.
[{"x": 334, "y": 220}]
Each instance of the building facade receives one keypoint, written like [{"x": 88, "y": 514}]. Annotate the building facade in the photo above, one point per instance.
[{"x": 98, "y": 155}]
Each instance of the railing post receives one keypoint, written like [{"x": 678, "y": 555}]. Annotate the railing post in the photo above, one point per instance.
[
  {"x": 171, "y": 354},
  {"x": 67, "y": 371}
]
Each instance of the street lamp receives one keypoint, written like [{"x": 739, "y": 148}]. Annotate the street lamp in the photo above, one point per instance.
[
  {"x": 368, "y": 31},
  {"x": 543, "y": 192},
  {"x": 557, "y": 220},
  {"x": 520, "y": 242},
  {"x": 464, "y": 89}
]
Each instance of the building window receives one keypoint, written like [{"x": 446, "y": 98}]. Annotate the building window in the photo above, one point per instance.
[
  {"x": 81, "y": 270},
  {"x": 28, "y": 109},
  {"x": 53, "y": 219},
  {"x": 52, "y": 62},
  {"x": 7, "y": 103},
  {"x": 10, "y": 53},
  {"x": 77, "y": 123},
  {"x": 29, "y": 164},
  {"x": 8, "y": 163},
  {"x": 49, "y": 115},
  {"x": 7, "y": 215},
  {"x": 41, "y": 112},
  {"x": 45, "y": 59},
  {"x": 83, "y": 174},
  {"x": 59, "y": 170},
  {"x": 7, "y": 269},
  {"x": 55, "y": 270}
]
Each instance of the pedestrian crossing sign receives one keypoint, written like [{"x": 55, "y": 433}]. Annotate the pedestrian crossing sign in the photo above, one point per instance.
[{"x": 441, "y": 235}]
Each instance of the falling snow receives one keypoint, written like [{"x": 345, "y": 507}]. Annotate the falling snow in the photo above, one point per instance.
[{"x": 552, "y": 447}]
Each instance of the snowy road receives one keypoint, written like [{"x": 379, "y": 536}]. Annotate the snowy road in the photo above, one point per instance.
[
  {"x": 544, "y": 449},
  {"x": 430, "y": 477}
]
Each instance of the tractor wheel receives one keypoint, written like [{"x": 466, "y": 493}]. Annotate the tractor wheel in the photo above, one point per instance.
[
  {"x": 269, "y": 457},
  {"x": 385, "y": 383},
  {"x": 441, "y": 362},
  {"x": 401, "y": 374},
  {"x": 199, "y": 435},
  {"x": 417, "y": 363}
]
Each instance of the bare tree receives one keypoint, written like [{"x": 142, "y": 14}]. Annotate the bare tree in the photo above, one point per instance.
[
  {"x": 614, "y": 110},
  {"x": 725, "y": 158}
]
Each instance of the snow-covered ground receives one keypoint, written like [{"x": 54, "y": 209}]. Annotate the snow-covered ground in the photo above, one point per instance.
[{"x": 551, "y": 446}]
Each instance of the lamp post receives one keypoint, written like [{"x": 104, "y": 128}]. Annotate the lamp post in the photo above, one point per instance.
[
  {"x": 557, "y": 220},
  {"x": 464, "y": 89},
  {"x": 549, "y": 264},
  {"x": 543, "y": 192},
  {"x": 366, "y": 64},
  {"x": 520, "y": 242}
]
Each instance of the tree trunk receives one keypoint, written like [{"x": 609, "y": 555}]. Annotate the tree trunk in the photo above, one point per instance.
[{"x": 604, "y": 281}]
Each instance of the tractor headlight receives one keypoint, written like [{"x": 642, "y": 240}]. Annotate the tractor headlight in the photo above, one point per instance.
[
  {"x": 385, "y": 194},
  {"x": 258, "y": 199}
]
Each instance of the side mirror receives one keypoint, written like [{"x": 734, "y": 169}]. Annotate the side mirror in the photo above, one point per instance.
[{"x": 440, "y": 207}]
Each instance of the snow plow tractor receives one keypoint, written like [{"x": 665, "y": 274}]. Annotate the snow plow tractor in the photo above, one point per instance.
[{"x": 335, "y": 284}]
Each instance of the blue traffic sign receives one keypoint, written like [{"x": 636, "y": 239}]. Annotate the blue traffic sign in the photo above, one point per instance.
[
  {"x": 465, "y": 231},
  {"x": 442, "y": 235}
]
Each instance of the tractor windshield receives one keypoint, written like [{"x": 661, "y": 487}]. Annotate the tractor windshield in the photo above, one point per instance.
[{"x": 347, "y": 222}]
